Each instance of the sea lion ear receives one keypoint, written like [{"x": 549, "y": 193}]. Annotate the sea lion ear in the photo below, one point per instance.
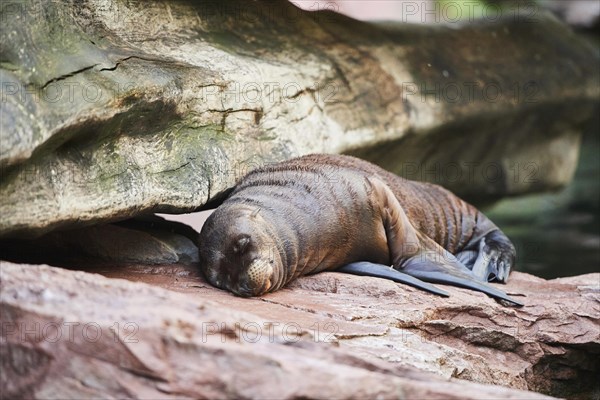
[{"x": 255, "y": 213}]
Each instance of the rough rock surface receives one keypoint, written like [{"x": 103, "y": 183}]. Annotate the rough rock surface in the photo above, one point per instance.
[
  {"x": 111, "y": 109},
  {"x": 74, "y": 334}
]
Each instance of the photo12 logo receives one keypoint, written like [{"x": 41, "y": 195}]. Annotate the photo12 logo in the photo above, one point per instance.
[{"x": 72, "y": 332}]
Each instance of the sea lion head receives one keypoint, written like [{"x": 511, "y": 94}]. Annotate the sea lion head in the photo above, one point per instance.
[{"x": 238, "y": 251}]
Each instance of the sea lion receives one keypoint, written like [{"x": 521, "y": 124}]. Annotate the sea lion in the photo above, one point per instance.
[{"x": 339, "y": 213}]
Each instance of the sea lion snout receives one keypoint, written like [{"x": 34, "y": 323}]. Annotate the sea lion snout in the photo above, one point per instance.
[
  {"x": 257, "y": 279},
  {"x": 247, "y": 275}
]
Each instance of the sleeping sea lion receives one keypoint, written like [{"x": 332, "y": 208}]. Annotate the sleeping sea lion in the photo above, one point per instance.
[{"x": 339, "y": 213}]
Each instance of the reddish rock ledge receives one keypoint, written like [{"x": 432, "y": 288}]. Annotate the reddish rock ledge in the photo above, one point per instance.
[{"x": 163, "y": 332}]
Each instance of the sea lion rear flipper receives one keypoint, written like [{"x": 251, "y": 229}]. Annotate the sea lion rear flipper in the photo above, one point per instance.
[
  {"x": 496, "y": 257},
  {"x": 364, "y": 268},
  {"x": 416, "y": 254}
]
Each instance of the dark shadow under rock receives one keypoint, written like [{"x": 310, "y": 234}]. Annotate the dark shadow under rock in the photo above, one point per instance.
[{"x": 149, "y": 240}]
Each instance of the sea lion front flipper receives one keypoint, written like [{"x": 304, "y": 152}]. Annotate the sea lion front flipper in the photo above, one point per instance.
[
  {"x": 434, "y": 264},
  {"x": 416, "y": 254},
  {"x": 431, "y": 271},
  {"x": 364, "y": 268}
]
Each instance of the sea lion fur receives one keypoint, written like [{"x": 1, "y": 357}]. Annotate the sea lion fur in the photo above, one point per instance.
[{"x": 331, "y": 212}]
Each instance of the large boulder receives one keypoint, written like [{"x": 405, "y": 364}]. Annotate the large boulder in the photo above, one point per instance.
[
  {"x": 74, "y": 334},
  {"x": 113, "y": 109}
]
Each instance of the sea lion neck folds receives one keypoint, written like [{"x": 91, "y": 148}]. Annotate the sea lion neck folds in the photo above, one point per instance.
[{"x": 325, "y": 212}]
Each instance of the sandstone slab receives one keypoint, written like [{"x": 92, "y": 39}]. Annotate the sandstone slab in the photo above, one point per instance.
[{"x": 168, "y": 334}]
